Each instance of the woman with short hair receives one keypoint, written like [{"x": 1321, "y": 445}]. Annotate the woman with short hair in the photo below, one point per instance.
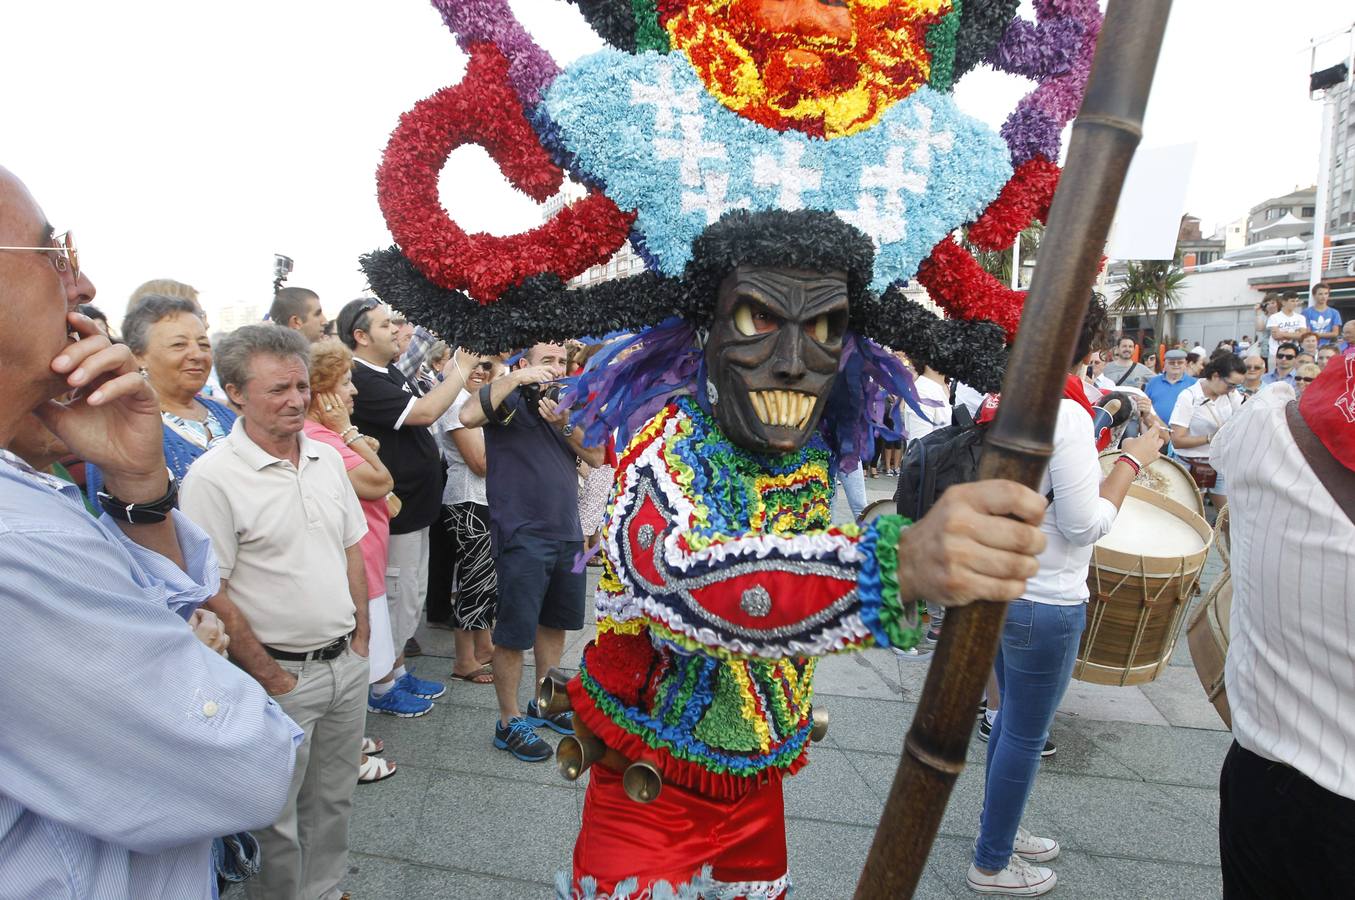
[
  {"x": 168, "y": 338},
  {"x": 1199, "y": 413},
  {"x": 327, "y": 422},
  {"x": 1304, "y": 375}
]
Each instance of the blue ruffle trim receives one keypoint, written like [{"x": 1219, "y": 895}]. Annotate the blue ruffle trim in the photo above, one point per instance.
[{"x": 868, "y": 586}]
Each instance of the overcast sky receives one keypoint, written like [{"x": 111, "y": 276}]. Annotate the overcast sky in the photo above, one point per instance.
[{"x": 192, "y": 141}]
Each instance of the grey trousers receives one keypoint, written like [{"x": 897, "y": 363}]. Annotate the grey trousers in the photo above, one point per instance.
[
  {"x": 406, "y": 584},
  {"x": 305, "y": 853}
]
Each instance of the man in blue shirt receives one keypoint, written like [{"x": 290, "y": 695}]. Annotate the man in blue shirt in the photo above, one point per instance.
[
  {"x": 113, "y": 781},
  {"x": 1323, "y": 321},
  {"x": 1285, "y": 356},
  {"x": 1163, "y": 389}
]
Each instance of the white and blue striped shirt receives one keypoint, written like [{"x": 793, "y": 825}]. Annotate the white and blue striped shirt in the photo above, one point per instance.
[{"x": 126, "y": 744}]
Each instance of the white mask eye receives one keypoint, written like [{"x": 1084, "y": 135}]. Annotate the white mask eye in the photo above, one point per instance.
[
  {"x": 743, "y": 320},
  {"x": 819, "y": 329}
]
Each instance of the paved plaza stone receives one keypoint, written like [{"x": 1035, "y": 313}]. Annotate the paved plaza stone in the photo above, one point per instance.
[{"x": 1131, "y": 794}]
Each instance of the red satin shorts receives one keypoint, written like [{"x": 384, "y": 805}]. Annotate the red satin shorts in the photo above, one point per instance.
[{"x": 678, "y": 834}]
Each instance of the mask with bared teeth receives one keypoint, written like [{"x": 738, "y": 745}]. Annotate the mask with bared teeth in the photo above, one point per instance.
[{"x": 773, "y": 353}]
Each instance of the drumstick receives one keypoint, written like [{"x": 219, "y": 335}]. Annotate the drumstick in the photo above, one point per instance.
[{"x": 1021, "y": 440}]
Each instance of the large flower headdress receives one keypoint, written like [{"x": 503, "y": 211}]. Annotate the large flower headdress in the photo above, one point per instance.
[{"x": 699, "y": 110}]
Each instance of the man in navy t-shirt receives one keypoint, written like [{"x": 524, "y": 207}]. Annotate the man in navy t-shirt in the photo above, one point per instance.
[{"x": 531, "y": 454}]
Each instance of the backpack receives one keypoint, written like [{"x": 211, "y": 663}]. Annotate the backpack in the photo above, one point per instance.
[{"x": 935, "y": 461}]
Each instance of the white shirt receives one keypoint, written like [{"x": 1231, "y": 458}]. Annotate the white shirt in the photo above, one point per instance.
[
  {"x": 280, "y": 532},
  {"x": 937, "y": 416},
  {"x": 463, "y": 485},
  {"x": 1201, "y": 417},
  {"x": 1291, "y": 662},
  {"x": 1292, "y": 322},
  {"x": 1079, "y": 515},
  {"x": 967, "y": 397}
]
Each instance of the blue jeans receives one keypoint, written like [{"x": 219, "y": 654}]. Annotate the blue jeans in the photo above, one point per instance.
[
  {"x": 854, "y": 486},
  {"x": 1034, "y": 663}
]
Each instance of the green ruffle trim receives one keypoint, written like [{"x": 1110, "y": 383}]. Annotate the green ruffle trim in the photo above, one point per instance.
[
  {"x": 680, "y": 748},
  {"x": 892, "y": 613}
]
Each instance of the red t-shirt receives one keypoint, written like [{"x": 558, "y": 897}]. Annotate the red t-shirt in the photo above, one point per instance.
[{"x": 375, "y": 546}]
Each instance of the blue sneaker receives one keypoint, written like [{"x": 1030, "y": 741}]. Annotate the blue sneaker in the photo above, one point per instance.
[
  {"x": 562, "y": 723},
  {"x": 397, "y": 702},
  {"x": 420, "y": 687},
  {"x": 518, "y": 738}
]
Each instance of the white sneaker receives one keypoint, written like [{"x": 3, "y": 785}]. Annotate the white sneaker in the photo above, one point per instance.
[
  {"x": 1018, "y": 879},
  {"x": 1034, "y": 849}
]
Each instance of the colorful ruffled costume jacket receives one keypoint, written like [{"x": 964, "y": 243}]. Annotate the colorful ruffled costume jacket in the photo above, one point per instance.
[{"x": 723, "y": 580}]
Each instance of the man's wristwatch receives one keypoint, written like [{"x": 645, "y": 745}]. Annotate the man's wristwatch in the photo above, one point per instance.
[
  {"x": 568, "y": 429},
  {"x": 142, "y": 513}
]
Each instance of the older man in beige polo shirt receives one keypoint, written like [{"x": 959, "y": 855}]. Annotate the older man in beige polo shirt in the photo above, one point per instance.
[{"x": 286, "y": 525}]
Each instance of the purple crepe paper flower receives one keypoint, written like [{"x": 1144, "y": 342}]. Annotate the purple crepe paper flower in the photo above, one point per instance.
[
  {"x": 1058, "y": 52},
  {"x": 530, "y": 68}
]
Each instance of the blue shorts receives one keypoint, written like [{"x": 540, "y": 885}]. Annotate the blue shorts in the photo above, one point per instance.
[{"x": 537, "y": 586}]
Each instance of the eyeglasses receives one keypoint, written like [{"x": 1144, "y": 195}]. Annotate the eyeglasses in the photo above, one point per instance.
[
  {"x": 63, "y": 245},
  {"x": 1303, "y": 379},
  {"x": 1286, "y": 356}
]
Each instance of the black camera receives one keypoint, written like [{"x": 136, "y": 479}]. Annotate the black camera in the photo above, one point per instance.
[{"x": 532, "y": 393}]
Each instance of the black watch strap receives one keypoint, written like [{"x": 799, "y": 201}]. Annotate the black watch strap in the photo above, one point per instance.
[
  {"x": 142, "y": 513},
  {"x": 487, "y": 407}
]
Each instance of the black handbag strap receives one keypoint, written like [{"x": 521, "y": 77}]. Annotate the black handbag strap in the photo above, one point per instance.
[{"x": 1336, "y": 478}]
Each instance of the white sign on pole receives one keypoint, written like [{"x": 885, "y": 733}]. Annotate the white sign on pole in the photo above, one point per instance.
[{"x": 1148, "y": 218}]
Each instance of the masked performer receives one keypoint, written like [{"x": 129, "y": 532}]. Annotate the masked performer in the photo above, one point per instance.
[{"x": 782, "y": 167}]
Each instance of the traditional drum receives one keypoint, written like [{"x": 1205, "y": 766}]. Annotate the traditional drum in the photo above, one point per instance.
[
  {"x": 1164, "y": 475},
  {"x": 1142, "y": 577},
  {"x": 1209, "y": 627},
  {"x": 875, "y": 509}
]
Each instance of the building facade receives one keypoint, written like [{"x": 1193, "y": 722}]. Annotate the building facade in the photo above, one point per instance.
[{"x": 1341, "y": 186}]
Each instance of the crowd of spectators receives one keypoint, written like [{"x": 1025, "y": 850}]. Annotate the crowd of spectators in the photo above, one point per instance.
[{"x": 308, "y": 462}]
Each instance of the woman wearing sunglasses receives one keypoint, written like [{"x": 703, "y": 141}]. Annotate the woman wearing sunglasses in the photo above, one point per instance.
[
  {"x": 1200, "y": 412},
  {"x": 1304, "y": 375},
  {"x": 1252, "y": 379}
]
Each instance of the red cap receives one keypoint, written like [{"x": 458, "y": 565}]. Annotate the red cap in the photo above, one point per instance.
[{"x": 1328, "y": 406}]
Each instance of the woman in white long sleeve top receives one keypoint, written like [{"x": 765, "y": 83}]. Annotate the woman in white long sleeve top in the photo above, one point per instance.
[{"x": 1040, "y": 637}]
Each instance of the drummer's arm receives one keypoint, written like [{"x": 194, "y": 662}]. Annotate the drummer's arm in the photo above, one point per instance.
[
  {"x": 1144, "y": 449},
  {"x": 1081, "y": 515},
  {"x": 1182, "y": 439}
]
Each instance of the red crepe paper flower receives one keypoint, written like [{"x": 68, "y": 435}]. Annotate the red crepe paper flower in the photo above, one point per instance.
[
  {"x": 1025, "y": 198},
  {"x": 964, "y": 290},
  {"x": 483, "y": 109}
]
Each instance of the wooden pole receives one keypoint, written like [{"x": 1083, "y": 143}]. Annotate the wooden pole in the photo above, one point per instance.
[{"x": 1018, "y": 447}]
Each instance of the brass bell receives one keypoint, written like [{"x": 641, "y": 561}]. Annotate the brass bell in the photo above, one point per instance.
[
  {"x": 819, "y": 729},
  {"x": 641, "y": 781},
  {"x": 577, "y": 752},
  {"x": 552, "y": 697}
]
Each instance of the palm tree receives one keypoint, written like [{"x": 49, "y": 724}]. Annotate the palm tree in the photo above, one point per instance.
[
  {"x": 998, "y": 263},
  {"x": 1151, "y": 287}
]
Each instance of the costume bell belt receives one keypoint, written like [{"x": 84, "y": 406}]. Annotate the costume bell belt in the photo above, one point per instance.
[{"x": 640, "y": 778}]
